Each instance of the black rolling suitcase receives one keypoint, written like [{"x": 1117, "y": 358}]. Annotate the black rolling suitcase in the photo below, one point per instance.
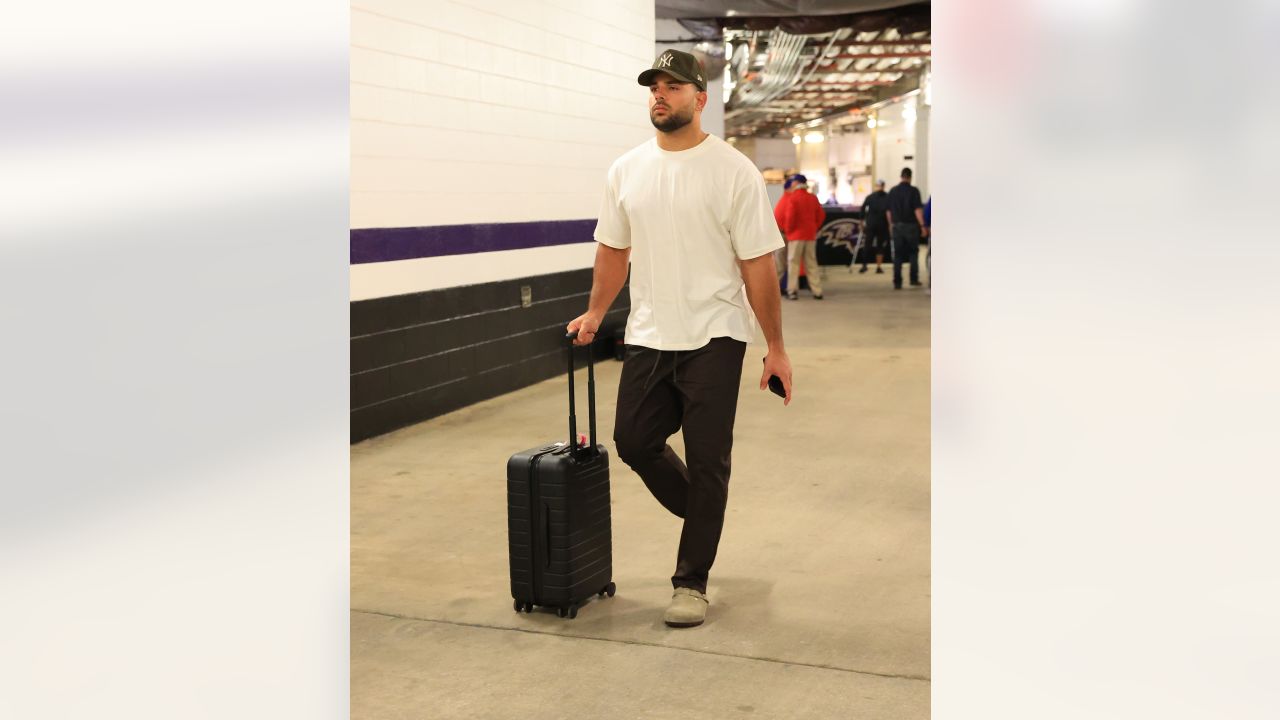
[{"x": 558, "y": 523}]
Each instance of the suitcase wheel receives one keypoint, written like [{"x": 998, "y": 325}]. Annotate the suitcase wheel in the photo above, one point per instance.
[
  {"x": 609, "y": 590},
  {"x": 570, "y": 612},
  {"x": 524, "y": 606}
]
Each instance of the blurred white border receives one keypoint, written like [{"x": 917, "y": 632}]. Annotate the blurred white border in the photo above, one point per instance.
[
  {"x": 1104, "y": 352},
  {"x": 173, "y": 287}
]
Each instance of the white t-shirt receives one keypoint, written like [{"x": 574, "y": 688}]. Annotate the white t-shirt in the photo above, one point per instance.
[{"x": 688, "y": 217}]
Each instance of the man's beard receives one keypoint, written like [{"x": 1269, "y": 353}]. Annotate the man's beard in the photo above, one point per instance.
[{"x": 673, "y": 121}]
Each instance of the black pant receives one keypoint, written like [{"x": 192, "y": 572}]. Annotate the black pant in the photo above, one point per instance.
[
  {"x": 875, "y": 242},
  {"x": 906, "y": 248},
  {"x": 660, "y": 392}
]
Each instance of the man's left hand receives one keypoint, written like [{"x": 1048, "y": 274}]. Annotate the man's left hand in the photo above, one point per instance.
[{"x": 777, "y": 363}]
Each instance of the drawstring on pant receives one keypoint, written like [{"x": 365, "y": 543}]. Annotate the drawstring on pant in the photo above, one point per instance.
[{"x": 675, "y": 368}]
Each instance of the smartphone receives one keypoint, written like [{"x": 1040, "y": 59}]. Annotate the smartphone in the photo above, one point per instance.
[{"x": 775, "y": 385}]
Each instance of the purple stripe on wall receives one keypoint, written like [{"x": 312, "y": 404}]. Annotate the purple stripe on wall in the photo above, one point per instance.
[{"x": 371, "y": 245}]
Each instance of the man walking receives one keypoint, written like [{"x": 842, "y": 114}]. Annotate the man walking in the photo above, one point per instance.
[
  {"x": 691, "y": 215},
  {"x": 875, "y": 228},
  {"x": 906, "y": 215},
  {"x": 800, "y": 218}
]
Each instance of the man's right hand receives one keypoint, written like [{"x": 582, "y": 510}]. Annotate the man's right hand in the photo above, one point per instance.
[{"x": 586, "y": 325}]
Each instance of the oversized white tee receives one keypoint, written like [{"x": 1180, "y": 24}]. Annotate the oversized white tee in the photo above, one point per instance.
[{"x": 688, "y": 217}]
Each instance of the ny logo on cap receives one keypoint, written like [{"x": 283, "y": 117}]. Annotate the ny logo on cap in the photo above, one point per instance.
[{"x": 665, "y": 60}]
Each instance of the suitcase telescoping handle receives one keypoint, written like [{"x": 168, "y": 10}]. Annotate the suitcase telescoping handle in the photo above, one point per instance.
[{"x": 591, "y": 398}]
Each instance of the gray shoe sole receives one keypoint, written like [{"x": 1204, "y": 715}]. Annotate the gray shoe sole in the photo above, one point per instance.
[{"x": 682, "y": 625}]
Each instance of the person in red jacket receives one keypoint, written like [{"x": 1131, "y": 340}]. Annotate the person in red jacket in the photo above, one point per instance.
[{"x": 800, "y": 215}]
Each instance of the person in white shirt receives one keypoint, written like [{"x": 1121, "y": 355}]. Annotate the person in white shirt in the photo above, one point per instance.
[{"x": 691, "y": 216}]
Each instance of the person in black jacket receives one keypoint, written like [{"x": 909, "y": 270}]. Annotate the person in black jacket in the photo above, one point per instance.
[
  {"x": 906, "y": 216},
  {"x": 875, "y": 228}
]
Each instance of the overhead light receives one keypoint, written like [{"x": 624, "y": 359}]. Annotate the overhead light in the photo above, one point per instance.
[
  {"x": 871, "y": 123},
  {"x": 814, "y": 137},
  {"x": 795, "y": 139},
  {"x": 730, "y": 13}
]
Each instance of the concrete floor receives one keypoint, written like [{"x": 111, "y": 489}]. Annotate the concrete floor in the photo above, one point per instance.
[{"x": 819, "y": 596}]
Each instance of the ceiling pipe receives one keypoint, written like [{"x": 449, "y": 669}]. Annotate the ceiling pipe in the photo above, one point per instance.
[
  {"x": 818, "y": 60},
  {"x": 879, "y": 56},
  {"x": 872, "y": 43},
  {"x": 781, "y": 88},
  {"x": 848, "y": 83},
  {"x": 889, "y": 43},
  {"x": 781, "y": 68}
]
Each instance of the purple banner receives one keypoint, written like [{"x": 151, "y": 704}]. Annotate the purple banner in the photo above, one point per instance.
[{"x": 371, "y": 245}]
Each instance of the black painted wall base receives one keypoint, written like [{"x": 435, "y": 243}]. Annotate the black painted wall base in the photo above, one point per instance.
[{"x": 417, "y": 356}]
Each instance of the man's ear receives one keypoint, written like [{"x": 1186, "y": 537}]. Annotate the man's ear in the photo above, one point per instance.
[{"x": 702, "y": 100}]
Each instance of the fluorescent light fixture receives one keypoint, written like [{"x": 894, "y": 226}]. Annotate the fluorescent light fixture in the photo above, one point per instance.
[
  {"x": 871, "y": 123},
  {"x": 795, "y": 139},
  {"x": 814, "y": 137}
]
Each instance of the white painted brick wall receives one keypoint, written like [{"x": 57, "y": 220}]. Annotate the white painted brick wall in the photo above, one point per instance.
[{"x": 509, "y": 111}]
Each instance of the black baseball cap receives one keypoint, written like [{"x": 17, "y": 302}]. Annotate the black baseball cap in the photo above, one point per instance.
[{"x": 679, "y": 65}]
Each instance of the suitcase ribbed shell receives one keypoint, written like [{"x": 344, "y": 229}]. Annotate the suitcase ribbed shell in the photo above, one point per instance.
[{"x": 558, "y": 525}]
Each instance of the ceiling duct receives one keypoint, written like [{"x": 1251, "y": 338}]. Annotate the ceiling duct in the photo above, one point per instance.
[
  {"x": 711, "y": 55},
  {"x": 781, "y": 69},
  {"x": 907, "y": 18},
  {"x": 792, "y": 61},
  {"x": 773, "y": 8}
]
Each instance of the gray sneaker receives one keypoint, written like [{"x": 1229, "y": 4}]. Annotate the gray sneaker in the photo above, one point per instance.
[{"x": 688, "y": 608}]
